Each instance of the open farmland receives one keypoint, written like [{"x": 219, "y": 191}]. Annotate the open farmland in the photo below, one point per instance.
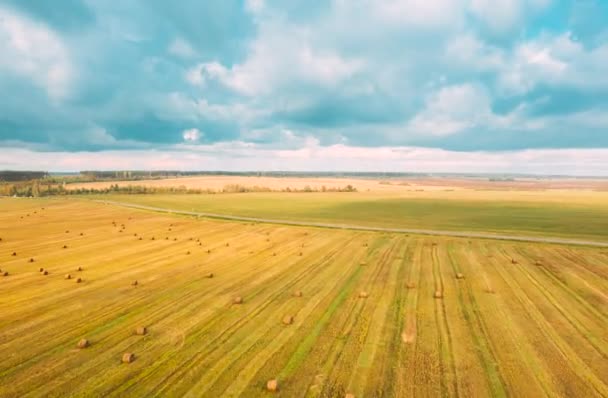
[
  {"x": 579, "y": 214},
  {"x": 442, "y": 316}
]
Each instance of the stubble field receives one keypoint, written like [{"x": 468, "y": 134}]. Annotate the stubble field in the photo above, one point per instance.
[{"x": 442, "y": 316}]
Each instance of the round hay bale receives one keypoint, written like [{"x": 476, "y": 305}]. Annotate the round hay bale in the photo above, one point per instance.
[
  {"x": 81, "y": 234},
  {"x": 134, "y": 283},
  {"x": 274, "y": 254},
  {"x": 83, "y": 343},
  {"x": 14, "y": 253},
  {"x": 538, "y": 262},
  {"x": 513, "y": 261},
  {"x": 31, "y": 260},
  {"x": 489, "y": 290},
  {"x": 68, "y": 276},
  {"x": 410, "y": 285},
  {"x": 128, "y": 357},
  {"x": 459, "y": 275},
  {"x": 140, "y": 238},
  {"x": 237, "y": 300},
  {"x": 208, "y": 251},
  {"x": 65, "y": 246},
  {"x": 301, "y": 254},
  {"x": 188, "y": 252},
  {"x": 297, "y": 293},
  {"x": 67, "y": 232},
  {"x": 5, "y": 273},
  {"x": 362, "y": 263},
  {"x": 45, "y": 272},
  {"x": 227, "y": 244},
  {"x": 141, "y": 331},
  {"x": 363, "y": 294},
  {"x": 79, "y": 269},
  {"x": 287, "y": 320},
  {"x": 175, "y": 239},
  {"x": 438, "y": 294},
  {"x": 78, "y": 280},
  {"x": 41, "y": 269},
  {"x": 209, "y": 275},
  {"x": 152, "y": 238},
  {"x": 272, "y": 385}
]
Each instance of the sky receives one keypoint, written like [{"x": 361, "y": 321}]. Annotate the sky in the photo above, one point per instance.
[{"x": 513, "y": 86}]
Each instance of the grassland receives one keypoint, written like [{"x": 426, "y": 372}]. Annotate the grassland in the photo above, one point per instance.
[
  {"x": 509, "y": 327},
  {"x": 561, "y": 214}
]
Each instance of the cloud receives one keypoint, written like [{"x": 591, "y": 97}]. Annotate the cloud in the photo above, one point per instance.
[
  {"x": 181, "y": 48},
  {"x": 453, "y": 75},
  {"x": 192, "y": 135},
  {"x": 242, "y": 156},
  {"x": 34, "y": 51}
]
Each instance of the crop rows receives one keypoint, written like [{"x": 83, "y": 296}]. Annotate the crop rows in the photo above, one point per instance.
[{"x": 442, "y": 316}]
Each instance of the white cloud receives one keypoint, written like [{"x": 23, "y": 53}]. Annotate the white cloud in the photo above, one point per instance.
[
  {"x": 181, "y": 48},
  {"x": 34, "y": 51},
  {"x": 247, "y": 156},
  {"x": 278, "y": 57},
  {"x": 192, "y": 135},
  {"x": 452, "y": 109}
]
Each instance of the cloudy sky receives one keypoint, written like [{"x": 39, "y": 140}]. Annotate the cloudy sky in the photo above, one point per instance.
[{"x": 387, "y": 85}]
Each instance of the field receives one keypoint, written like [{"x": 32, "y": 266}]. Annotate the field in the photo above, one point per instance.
[
  {"x": 565, "y": 214},
  {"x": 512, "y": 319}
]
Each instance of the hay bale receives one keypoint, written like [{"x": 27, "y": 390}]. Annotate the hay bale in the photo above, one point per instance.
[
  {"x": 140, "y": 238},
  {"x": 410, "y": 285},
  {"x": 152, "y": 238},
  {"x": 438, "y": 294},
  {"x": 287, "y": 320},
  {"x": 68, "y": 276},
  {"x": 14, "y": 253},
  {"x": 301, "y": 254},
  {"x": 208, "y": 251},
  {"x": 363, "y": 294},
  {"x": 274, "y": 254},
  {"x": 5, "y": 273},
  {"x": 489, "y": 290},
  {"x": 65, "y": 246},
  {"x": 128, "y": 357},
  {"x": 297, "y": 293},
  {"x": 45, "y": 272},
  {"x": 134, "y": 283},
  {"x": 538, "y": 262},
  {"x": 272, "y": 385},
  {"x": 78, "y": 280},
  {"x": 175, "y": 239},
  {"x": 81, "y": 234},
  {"x": 188, "y": 252},
  {"x": 41, "y": 269},
  {"x": 227, "y": 244},
  {"x": 513, "y": 261},
  {"x": 79, "y": 269},
  {"x": 83, "y": 343},
  {"x": 362, "y": 263},
  {"x": 31, "y": 260},
  {"x": 141, "y": 331},
  {"x": 67, "y": 232},
  {"x": 209, "y": 275},
  {"x": 237, "y": 300},
  {"x": 459, "y": 275}
]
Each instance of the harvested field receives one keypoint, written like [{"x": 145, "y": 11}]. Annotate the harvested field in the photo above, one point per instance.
[{"x": 513, "y": 319}]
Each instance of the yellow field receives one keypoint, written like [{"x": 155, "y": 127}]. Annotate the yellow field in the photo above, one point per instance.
[{"x": 523, "y": 319}]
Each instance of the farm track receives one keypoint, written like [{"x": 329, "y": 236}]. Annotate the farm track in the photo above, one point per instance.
[
  {"x": 457, "y": 234},
  {"x": 502, "y": 328}
]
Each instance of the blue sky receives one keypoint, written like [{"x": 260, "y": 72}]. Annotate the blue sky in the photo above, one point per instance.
[{"x": 400, "y": 85}]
